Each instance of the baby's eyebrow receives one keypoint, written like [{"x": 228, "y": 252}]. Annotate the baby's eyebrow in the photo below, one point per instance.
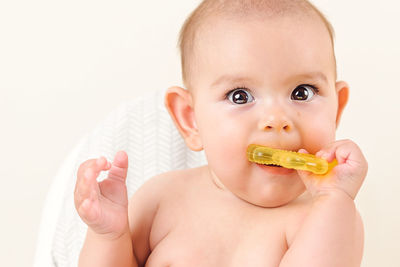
[
  {"x": 230, "y": 79},
  {"x": 311, "y": 76},
  {"x": 316, "y": 75}
]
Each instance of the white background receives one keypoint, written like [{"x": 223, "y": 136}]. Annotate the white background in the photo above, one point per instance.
[{"x": 64, "y": 65}]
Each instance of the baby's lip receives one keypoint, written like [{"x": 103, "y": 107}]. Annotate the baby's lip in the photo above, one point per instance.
[{"x": 275, "y": 170}]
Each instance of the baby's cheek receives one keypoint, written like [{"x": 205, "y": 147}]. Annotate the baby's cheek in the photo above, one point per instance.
[
  {"x": 227, "y": 145},
  {"x": 317, "y": 135}
]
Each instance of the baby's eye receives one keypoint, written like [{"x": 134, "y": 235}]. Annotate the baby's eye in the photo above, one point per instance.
[
  {"x": 304, "y": 92},
  {"x": 239, "y": 96}
]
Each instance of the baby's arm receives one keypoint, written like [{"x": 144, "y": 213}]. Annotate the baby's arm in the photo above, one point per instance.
[
  {"x": 102, "y": 251},
  {"x": 103, "y": 206},
  {"x": 332, "y": 233}
]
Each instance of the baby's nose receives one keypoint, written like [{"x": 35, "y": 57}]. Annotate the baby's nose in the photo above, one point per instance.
[{"x": 276, "y": 124}]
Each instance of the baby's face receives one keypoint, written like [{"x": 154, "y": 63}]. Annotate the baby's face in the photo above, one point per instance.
[{"x": 263, "y": 82}]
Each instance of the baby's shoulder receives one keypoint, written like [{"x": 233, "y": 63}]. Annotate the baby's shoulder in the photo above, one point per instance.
[
  {"x": 152, "y": 191},
  {"x": 163, "y": 184}
]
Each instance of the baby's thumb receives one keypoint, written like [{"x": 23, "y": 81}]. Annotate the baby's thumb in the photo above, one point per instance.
[
  {"x": 119, "y": 167},
  {"x": 304, "y": 175}
]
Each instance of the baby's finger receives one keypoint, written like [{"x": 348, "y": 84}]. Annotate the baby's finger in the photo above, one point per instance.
[
  {"x": 302, "y": 150},
  {"x": 79, "y": 191},
  {"x": 96, "y": 165},
  {"x": 343, "y": 150},
  {"x": 89, "y": 210},
  {"x": 119, "y": 167},
  {"x": 304, "y": 174},
  {"x": 85, "y": 188},
  {"x": 87, "y": 175},
  {"x": 329, "y": 151},
  {"x": 102, "y": 164},
  {"x": 351, "y": 160}
]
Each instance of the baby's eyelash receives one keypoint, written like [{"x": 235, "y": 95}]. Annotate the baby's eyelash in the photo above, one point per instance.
[
  {"x": 313, "y": 86},
  {"x": 236, "y": 88}
]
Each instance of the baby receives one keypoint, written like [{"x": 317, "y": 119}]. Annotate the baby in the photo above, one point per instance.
[{"x": 256, "y": 72}]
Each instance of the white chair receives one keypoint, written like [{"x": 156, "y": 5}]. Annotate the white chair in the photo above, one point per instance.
[{"x": 143, "y": 128}]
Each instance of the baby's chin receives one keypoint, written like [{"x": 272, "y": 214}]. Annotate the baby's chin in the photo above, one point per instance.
[
  {"x": 272, "y": 199},
  {"x": 265, "y": 193}
]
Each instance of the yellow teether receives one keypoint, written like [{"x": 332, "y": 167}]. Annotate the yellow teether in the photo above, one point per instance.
[{"x": 289, "y": 159}]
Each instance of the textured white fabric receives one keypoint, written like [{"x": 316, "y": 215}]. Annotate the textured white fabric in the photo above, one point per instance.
[{"x": 143, "y": 128}]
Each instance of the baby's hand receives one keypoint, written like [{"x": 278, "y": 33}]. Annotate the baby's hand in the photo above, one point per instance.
[
  {"x": 103, "y": 206},
  {"x": 346, "y": 177}
]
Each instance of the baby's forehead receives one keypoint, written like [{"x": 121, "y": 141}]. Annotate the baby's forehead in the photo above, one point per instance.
[
  {"x": 213, "y": 25},
  {"x": 279, "y": 31},
  {"x": 230, "y": 21},
  {"x": 211, "y": 13},
  {"x": 241, "y": 51}
]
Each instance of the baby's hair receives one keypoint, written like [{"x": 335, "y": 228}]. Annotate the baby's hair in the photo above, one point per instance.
[{"x": 239, "y": 9}]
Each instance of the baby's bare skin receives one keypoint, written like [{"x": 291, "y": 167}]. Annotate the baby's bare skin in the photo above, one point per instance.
[
  {"x": 270, "y": 82},
  {"x": 199, "y": 223},
  {"x": 187, "y": 217}
]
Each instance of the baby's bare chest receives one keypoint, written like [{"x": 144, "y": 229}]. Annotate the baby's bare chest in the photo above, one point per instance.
[
  {"x": 210, "y": 234},
  {"x": 212, "y": 248}
]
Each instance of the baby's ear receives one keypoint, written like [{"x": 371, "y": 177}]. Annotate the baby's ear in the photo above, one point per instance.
[
  {"x": 179, "y": 103},
  {"x": 342, "y": 91}
]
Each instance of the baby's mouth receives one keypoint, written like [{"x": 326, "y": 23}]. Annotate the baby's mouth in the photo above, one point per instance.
[
  {"x": 272, "y": 165},
  {"x": 275, "y": 169},
  {"x": 267, "y": 156}
]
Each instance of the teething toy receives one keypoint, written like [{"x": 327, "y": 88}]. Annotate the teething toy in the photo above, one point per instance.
[{"x": 288, "y": 159}]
